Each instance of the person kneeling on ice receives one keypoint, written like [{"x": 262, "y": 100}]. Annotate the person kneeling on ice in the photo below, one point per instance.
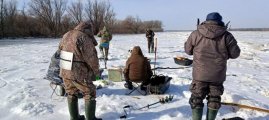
[
  {"x": 211, "y": 45},
  {"x": 79, "y": 67},
  {"x": 137, "y": 69},
  {"x": 106, "y": 37}
]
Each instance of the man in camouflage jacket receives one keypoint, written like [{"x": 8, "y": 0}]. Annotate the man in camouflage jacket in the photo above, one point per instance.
[
  {"x": 211, "y": 46},
  {"x": 85, "y": 67}
]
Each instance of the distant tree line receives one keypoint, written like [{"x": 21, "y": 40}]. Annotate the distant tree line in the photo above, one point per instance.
[
  {"x": 52, "y": 18},
  {"x": 249, "y": 29}
]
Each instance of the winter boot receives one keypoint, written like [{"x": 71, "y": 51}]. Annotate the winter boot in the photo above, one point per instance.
[
  {"x": 211, "y": 114},
  {"x": 197, "y": 113},
  {"x": 129, "y": 85},
  {"x": 73, "y": 108},
  {"x": 90, "y": 106}
]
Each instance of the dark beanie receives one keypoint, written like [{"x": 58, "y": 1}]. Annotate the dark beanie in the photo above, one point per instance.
[{"x": 215, "y": 16}]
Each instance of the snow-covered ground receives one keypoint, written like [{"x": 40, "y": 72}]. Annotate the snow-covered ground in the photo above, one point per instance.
[{"x": 26, "y": 95}]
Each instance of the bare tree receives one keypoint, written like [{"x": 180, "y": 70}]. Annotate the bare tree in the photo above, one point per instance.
[
  {"x": 100, "y": 14},
  {"x": 76, "y": 11},
  {"x": 59, "y": 8},
  {"x": 154, "y": 25},
  {"x": 133, "y": 24},
  {"x": 10, "y": 13},
  {"x": 110, "y": 19},
  {"x": 49, "y": 13},
  {"x": 2, "y": 18}
]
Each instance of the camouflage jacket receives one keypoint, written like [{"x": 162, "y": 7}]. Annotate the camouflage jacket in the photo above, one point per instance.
[
  {"x": 105, "y": 35},
  {"x": 81, "y": 43}
]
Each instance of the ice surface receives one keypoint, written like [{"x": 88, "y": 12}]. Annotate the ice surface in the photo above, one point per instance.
[{"x": 25, "y": 94}]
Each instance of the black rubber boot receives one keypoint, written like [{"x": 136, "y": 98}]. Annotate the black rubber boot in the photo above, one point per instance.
[
  {"x": 211, "y": 114},
  {"x": 90, "y": 106},
  {"x": 197, "y": 113},
  {"x": 73, "y": 108},
  {"x": 129, "y": 85}
]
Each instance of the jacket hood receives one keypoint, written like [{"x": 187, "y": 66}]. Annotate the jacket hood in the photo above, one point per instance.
[
  {"x": 137, "y": 51},
  {"x": 82, "y": 26},
  {"x": 211, "y": 29},
  {"x": 86, "y": 28}
]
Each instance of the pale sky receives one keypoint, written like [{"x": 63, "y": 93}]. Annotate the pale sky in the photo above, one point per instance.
[{"x": 183, "y": 14}]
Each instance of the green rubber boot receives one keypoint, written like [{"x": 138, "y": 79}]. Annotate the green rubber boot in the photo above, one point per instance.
[
  {"x": 90, "y": 106},
  {"x": 211, "y": 114},
  {"x": 197, "y": 113},
  {"x": 73, "y": 108}
]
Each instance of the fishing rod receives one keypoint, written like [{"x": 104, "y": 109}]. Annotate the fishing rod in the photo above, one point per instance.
[
  {"x": 155, "y": 51},
  {"x": 169, "y": 68}
]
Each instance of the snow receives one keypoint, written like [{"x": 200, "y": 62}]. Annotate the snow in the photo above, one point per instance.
[{"x": 25, "y": 94}]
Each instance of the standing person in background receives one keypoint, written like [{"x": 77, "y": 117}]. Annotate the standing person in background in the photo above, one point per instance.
[
  {"x": 106, "y": 37},
  {"x": 78, "y": 51},
  {"x": 150, "y": 37},
  {"x": 211, "y": 45}
]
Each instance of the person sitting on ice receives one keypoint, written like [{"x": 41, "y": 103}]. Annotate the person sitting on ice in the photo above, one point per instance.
[{"x": 137, "y": 69}]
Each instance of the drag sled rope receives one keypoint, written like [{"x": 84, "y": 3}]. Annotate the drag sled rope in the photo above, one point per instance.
[{"x": 246, "y": 107}]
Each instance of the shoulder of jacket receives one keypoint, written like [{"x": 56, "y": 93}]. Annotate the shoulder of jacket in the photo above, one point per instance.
[
  {"x": 82, "y": 38},
  {"x": 195, "y": 32}
]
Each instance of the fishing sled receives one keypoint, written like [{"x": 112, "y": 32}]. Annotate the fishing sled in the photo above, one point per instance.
[
  {"x": 182, "y": 61},
  {"x": 159, "y": 84}
]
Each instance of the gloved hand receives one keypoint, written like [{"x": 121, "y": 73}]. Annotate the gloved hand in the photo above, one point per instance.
[{"x": 97, "y": 77}]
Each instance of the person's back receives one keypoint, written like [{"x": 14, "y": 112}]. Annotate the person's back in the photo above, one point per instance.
[
  {"x": 212, "y": 45},
  {"x": 137, "y": 67},
  {"x": 76, "y": 42},
  {"x": 79, "y": 67}
]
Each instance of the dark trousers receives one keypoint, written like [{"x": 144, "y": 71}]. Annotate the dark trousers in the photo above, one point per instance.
[{"x": 150, "y": 45}]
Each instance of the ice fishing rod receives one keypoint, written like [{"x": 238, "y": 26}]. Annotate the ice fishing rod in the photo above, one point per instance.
[
  {"x": 169, "y": 68},
  {"x": 246, "y": 107},
  {"x": 163, "y": 100},
  {"x": 155, "y": 51}
]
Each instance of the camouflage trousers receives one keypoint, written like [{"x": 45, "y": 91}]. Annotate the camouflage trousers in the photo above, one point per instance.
[
  {"x": 73, "y": 87},
  {"x": 201, "y": 90}
]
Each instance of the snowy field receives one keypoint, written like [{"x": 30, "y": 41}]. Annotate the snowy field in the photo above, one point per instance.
[{"x": 26, "y": 95}]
